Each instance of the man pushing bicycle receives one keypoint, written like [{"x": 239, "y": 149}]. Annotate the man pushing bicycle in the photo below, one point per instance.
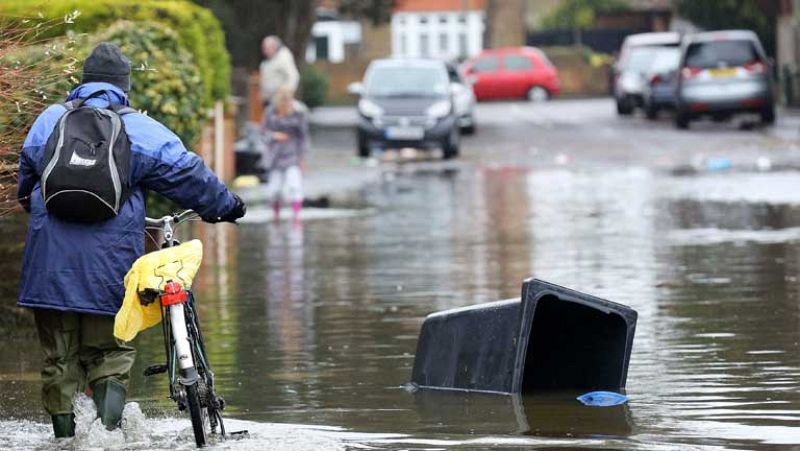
[{"x": 84, "y": 171}]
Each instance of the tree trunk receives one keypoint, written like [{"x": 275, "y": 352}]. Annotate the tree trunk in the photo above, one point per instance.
[{"x": 300, "y": 17}]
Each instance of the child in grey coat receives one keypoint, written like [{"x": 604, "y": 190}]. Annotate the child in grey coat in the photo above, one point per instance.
[{"x": 285, "y": 129}]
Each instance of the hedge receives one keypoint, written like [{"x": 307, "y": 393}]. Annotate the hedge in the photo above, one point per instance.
[
  {"x": 199, "y": 31},
  {"x": 165, "y": 83}
]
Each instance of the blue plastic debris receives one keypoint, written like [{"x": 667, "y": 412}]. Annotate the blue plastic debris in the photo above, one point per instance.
[
  {"x": 718, "y": 164},
  {"x": 602, "y": 399}
]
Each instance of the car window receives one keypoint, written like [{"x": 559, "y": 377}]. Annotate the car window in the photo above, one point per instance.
[
  {"x": 406, "y": 81},
  {"x": 665, "y": 60},
  {"x": 721, "y": 53},
  {"x": 517, "y": 62},
  {"x": 485, "y": 64},
  {"x": 640, "y": 58}
]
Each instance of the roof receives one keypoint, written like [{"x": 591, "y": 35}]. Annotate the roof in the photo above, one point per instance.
[
  {"x": 651, "y": 5},
  {"x": 439, "y": 5},
  {"x": 407, "y": 62},
  {"x": 662, "y": 38},
  {"x": 722, "y": 35}
]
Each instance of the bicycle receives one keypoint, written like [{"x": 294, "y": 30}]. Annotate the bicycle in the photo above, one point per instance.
[{"x": 191, "y": 381}]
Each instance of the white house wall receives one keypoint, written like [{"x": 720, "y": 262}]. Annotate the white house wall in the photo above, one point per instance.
[
  {"x": 339, "y": 34},
  {"x": 409, "y": 31}
]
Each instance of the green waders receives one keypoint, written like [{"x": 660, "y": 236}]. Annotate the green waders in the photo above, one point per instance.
[{"x": 79, "y": 351}]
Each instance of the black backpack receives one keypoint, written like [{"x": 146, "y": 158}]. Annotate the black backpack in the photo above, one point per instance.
[{"x": 85, "y": 176}]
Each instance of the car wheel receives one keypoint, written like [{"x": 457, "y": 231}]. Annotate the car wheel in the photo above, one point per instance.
[
  {"x": 469, "y": 129},
  {"x": 363, "y": 147},
  {"x": 538, "y": 94},
  {"x": 450, "y": 148},
  {"x": 651, "y": 111},
  {"x": 624, "y": 107},
  {"x": 768, "y": 115},
  {"x": 681, "y": 120}
]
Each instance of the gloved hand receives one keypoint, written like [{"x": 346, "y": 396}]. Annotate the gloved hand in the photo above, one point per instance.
[{"x": 238, "y": 210}]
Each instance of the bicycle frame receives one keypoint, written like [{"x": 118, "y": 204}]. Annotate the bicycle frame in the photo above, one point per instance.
[{"x": 187, "y": 365}]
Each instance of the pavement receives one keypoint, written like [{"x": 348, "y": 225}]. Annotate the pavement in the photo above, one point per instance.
[{"x": 574, "y": 133}]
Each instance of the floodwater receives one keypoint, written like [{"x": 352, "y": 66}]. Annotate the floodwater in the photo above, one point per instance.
[{"x": 312, "y": 330}]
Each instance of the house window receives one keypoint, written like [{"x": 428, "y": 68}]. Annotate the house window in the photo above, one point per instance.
[
  {"x": 403, "y": 45},
  {"x": 423, "y": 19},
  {"x": 424, "y": 45},
  {"x": 462, "y": 45},
  {"x": 442, "y": 19},
  {"x": 443, "y": 43},
  {"x": 462, "y": 18},
  {"x": 321, "y": 45}
]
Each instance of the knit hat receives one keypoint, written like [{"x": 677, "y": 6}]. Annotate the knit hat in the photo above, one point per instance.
[{"x": 107, "y": 64}]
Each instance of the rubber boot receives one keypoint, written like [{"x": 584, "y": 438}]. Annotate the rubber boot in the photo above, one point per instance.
[
  {"x": 64, "y": 425},
  {"x": 297, "y": 206},
  {"x": 109, "y": 397}
]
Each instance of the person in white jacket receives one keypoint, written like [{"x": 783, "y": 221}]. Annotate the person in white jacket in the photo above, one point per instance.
[{"x": 277, "y": 70}]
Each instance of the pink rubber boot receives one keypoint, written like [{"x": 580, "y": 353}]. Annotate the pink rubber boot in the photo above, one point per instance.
[{"x": 296, "y": 207}]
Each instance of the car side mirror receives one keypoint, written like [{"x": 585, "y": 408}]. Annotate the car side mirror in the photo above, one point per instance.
[{"x": 355, "y": 88}]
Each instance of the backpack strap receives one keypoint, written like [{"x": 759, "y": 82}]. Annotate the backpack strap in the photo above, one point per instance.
[{"x": 70, "y": 105}]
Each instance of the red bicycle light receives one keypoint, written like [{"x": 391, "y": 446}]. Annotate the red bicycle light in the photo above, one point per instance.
[{"x": 173, "y": 294}]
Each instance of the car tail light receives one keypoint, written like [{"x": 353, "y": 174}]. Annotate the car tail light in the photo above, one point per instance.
[
  {"x": 756, "y": 67},
  {"x": 690, "y": 72},
  {"x": 656, "y": 79}
]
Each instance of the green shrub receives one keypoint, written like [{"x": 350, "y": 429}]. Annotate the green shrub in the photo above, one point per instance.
[
  {"x": 198, "y": 29},
  {"x": 313, "y": 87},
  {"x": 164, "y": 82}
]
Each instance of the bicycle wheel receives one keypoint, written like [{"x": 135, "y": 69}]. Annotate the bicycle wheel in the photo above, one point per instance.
[{"x": 199, "y": 414}]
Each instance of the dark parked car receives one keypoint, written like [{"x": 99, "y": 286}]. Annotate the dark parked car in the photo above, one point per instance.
[
  {"x": 723, "y": 73},
  {"x": 406, "y": 103}
]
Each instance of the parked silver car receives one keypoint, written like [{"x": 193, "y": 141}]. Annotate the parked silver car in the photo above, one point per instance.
[
  {"x": 463, "y": 100},
  {"x": 723, "y": 73},
  {"x": 658, "y": 89},
  {"x": 635, "y": 58}
]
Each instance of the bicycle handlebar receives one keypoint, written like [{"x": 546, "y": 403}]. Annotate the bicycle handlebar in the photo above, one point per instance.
[{"x": 174, "y": 219}]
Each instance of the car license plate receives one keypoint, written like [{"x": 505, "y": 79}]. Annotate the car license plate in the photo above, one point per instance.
[
  {"x": 726, "y": 72},
  {"x": 405, "y": 133}
]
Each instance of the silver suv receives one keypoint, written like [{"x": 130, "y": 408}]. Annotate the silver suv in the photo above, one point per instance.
[{"x": 723, "y": 73}]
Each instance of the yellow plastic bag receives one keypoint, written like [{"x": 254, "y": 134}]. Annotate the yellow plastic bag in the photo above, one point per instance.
[{"x": 153, "y": 271}]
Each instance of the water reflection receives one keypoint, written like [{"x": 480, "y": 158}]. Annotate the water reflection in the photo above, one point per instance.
[
  {"x": 554, "y": 415},
  {"x": 318, "y": 325}
]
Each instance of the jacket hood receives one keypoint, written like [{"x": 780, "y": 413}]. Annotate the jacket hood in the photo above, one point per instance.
[{"x": 112, "y": 94}]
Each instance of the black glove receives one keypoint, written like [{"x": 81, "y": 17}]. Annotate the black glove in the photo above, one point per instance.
[{"x": 237, "y": 211}]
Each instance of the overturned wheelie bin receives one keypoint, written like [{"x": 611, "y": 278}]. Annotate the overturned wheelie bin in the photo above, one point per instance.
[{"x": 552, "y": 338}]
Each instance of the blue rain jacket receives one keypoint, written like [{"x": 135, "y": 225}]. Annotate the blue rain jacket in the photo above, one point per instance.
[{"x": 80, "y": 267}]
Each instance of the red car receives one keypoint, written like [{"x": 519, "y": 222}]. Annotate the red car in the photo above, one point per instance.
[{"x": 515, "y": 72}]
